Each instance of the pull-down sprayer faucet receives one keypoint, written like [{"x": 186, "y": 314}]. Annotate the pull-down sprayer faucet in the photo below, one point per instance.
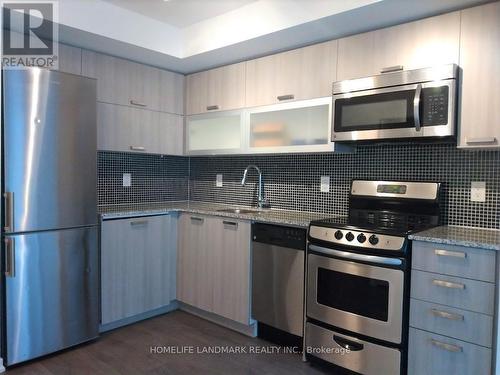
[{"x": 262, "y": 202}]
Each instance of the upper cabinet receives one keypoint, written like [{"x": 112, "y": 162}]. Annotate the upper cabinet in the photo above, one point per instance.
[
  {"x": 480, "y": 63},
  {"x": 127, "y": 129},
  {"x": 423, "y": 43},
  {"x": 216, "y": 89},
  {"x": 70, "y": 59},
  {"x": 127, "y": 83},
  {"x": 303, "y": 73}
]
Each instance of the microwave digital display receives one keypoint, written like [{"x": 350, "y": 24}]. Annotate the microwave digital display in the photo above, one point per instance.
[{"x": 391, "y": 189}]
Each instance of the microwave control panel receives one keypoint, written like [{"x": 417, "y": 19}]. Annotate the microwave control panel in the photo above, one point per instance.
[{"x": 434, "y": 106}]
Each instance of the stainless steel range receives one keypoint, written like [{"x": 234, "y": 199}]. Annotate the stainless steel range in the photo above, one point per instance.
[{"x": 358, "y": 276}]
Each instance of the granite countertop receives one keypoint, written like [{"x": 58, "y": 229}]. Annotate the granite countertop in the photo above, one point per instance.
[
  {"x": 272, "y": 216},
  {"x": 463, "y": 236}
]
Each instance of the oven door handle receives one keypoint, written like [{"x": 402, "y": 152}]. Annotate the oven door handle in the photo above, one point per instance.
[
  {"x": 360, "y": 257},
  {"x": 348, "y": 344}
]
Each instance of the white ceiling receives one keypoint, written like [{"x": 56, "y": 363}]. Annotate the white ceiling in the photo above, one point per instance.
[
  {"x": 254, "y": 28},
  {"x": 181, "y": 13}
]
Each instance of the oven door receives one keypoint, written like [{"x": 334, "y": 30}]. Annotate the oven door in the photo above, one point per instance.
[
  {"x": 408, "y": 111},
  {"x": 362, "y": 298}
]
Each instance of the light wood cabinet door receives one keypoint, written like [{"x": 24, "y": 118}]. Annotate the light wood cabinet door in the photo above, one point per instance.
[
  {"x": 231, "y": 248},
  {"x": 480, "y": 63},
  {"x": 171, "y": 92},
  {"x": 123, "y": 82},
  {"x": 217, "y": 89},
  {"x": 195, "y": 265},
  {"x": 303, "y": 73},
  {"x": 164, "y": 134},
  {"x": 127, "y": 129},
  {"x": 70, "y": 59},
  {"x": 118, "y": 128},
  {"x": 418, "y": 44},
  {"x": 137, "y": 266},
  {"x": 432, "y": 354}
]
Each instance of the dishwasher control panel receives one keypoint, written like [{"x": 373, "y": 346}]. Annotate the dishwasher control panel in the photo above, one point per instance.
[{"x": 278, "y": 235}]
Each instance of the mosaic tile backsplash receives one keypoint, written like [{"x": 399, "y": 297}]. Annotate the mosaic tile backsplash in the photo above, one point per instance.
[
  {"x": 293, "y": 181},
  {"x": 154, "y": 178}
]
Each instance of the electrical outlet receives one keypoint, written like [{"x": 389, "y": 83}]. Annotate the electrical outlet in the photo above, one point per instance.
[
  {"x": 325, "y": 184},
  {"x": 127, "y": 179},
  {"x": 218, "y": 180},
  {"x": 478, "y": 191}
]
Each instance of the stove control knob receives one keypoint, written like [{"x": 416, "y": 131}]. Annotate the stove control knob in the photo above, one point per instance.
[
  {"x": 361, "y": 238},
  {"x": 349, "y": 236},
  {"x": 339, "y": 235},
  {"x": 373, "y": 239}
]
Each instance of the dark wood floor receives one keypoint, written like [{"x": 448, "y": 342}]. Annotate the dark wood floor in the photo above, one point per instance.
[{"x": 127, "y": 351}]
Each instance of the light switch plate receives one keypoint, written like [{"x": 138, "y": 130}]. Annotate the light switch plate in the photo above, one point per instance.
[
  {"x": 127, "y": 179},
  {"x": 478, "y": 191},
  {"x": 325, "y": 184},
  {"x": 218, "y": 180}
]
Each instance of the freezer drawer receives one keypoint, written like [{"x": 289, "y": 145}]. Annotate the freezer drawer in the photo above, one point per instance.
[
  {"x": 50, "y": 150},
  {"x": 52, "y": 291}
]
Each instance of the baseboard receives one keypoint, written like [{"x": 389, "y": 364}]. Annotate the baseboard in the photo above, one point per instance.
[
  {"x": 247, "y": 330},
  {"x": 137, "y": 318}
]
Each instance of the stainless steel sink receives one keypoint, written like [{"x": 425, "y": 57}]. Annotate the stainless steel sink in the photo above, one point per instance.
[{"x": 240, "y": 211}]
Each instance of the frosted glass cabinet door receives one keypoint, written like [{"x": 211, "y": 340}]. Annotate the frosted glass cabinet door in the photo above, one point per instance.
[
  {"x": 216, "y": 133},
  {"x": 287, "y": 128}
]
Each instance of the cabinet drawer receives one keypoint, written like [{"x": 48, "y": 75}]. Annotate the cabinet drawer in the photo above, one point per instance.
[
  {"x": 463, "y": 325},
  {"x": 467, "y": 294},
  {"x": 432, "y": 354},
  {"x": 451, "y": 260}
]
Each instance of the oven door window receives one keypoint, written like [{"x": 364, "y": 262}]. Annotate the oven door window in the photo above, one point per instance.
[
  {"x": 389, "y": 110},
  {"x": 355, "y": 294}
]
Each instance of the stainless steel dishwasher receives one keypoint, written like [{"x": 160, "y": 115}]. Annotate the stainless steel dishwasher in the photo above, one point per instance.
[{"x": 278, "y": 255}]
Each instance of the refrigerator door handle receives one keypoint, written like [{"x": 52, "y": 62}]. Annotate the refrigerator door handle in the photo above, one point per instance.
[
  {"x": 9, "y": 211},
  {"x": 10, "y": 258}
]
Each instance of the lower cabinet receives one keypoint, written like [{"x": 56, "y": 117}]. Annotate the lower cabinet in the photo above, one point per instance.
[
  {"x": 138, "y": 266},
  {"x": 451, "y": 310},
  {"x": 213, "y": 265}
]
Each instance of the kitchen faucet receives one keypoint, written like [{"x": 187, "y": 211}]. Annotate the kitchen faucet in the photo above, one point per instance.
[{"x": 262, "y": 201}]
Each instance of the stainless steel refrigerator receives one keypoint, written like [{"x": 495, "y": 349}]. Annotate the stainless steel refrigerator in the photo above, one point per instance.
[{"x": 50, "y": 224}]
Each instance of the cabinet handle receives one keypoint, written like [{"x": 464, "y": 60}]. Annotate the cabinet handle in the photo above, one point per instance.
[
  {"x": 137, "y": 148},
  {"x": 9, "y": 211},
  {"x": 230, "y": 223},
  {"x": 390, "y": 69},
  {"x": 285, "y": 97},
  {"x": 446, "y": 315},
  {"x": 448, "y": 347},
  {"x": 138, "y": 104},
  {"x": 447, "y": 284},
  {"x": 197, "y": 219},
  {"x": 10, "y": 258},
  {"x": 454, "y": 254},
  {"x": 486, "y": 140},
  {"x": 139, "y": 222},
  {"x": 212, "y": 107}
]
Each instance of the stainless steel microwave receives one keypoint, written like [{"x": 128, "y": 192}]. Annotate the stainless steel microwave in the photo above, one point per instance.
[{"x": 397, "y": 105}]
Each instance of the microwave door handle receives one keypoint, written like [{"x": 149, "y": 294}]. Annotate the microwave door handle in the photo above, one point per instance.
[{"x": 416, "y": 107}]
